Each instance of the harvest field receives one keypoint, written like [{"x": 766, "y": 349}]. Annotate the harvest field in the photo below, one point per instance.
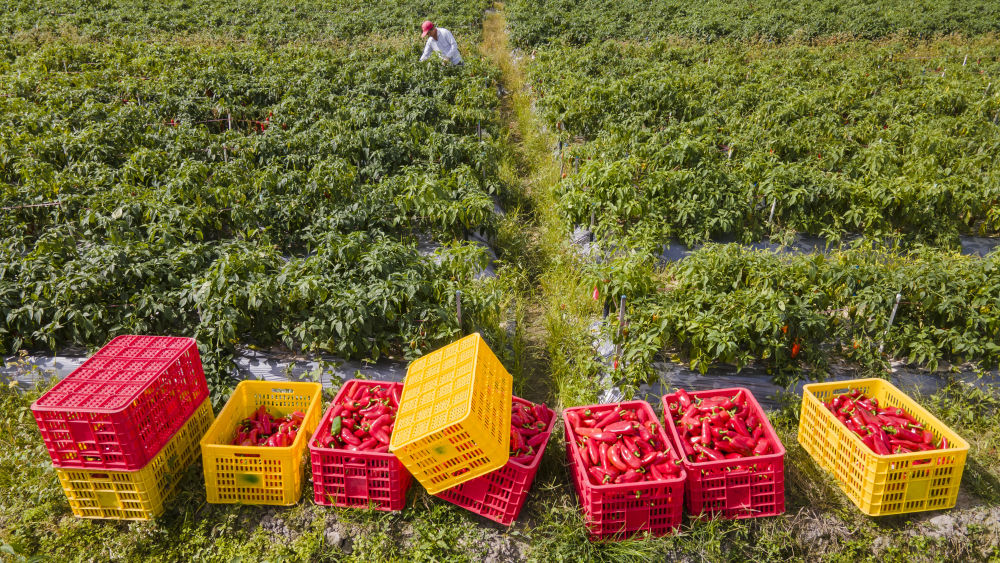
[{"x": 286, "y": 178}]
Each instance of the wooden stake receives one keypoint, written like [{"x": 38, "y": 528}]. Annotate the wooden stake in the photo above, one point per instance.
[
  {"x": 621, "y": 325},
  {"x": 892, "y": 317},
  {"x": 458, "y": 307}
]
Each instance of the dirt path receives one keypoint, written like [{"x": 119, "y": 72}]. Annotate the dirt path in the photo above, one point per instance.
[{"x": 533, "y": 174}]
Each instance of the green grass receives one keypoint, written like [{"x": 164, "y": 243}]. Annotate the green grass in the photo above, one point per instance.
[{"x": 819, "y": 524}]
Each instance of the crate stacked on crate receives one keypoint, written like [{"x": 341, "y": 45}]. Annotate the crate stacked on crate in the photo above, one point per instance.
[
  {"x": 351, "y": 463},
  {"x": 500, "y": 495},
  {"x": 626, "y": 473},
  {"x": 123, "y": 427},
  {"x": 253, "y": 452},
  {"x": 453, "y": 423},
  {"x": 733, "y": 457},
  {"x": 914, "y": 472}
]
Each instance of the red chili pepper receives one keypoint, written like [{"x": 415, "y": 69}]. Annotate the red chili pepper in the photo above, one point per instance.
[
  {"x": 717, "y": 434},
  {"x": 712, "y": 454},
  {"x": 592, "y": 451},
  {"x": 655, "y": 473},
  {"x": 604, "y": 437},
  {"x": 744, "y": 444},
  {"x": 615, "y": 459},
  {"x": 600, "y": 476},
  {"x": 524, "y": 459},
  {"x": 740, "y": 398},
  {"x": 542, "y": 413},
  {"x": 348, "y": 437},
  {"x": 720, "y": 419},
  {"x": 737, "y": 424},
  {"x": 763, "y": 447},
  {"x": 631, "y": 476},
  {"x": 357, "y": 392},
  {"x": 381, "y": 435},
  {"x": 574, "y": 419},
  {"x": 621, "y": 428},
  {"x": 614, "y": 415},
  {"x": 651, "y": 457},
  {"x": 684, "y": 399},
  {"x": 668, "y": 469},
  {"x": 795, "y": 349},
  {"x": 538, "y": 439},
  {"x": 602, "y": 450},
  {"x": 645, "y": 434},
  {"x": 645, "y": 446},
  {"x": 516, "y": 441},
  {"x": 688, "y": 449}
]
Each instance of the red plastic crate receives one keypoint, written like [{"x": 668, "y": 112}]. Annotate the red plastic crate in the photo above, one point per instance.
[
  {"x": 118, "y": 409},
  {"x": 500, "y": 495},
  {"x": 734, "y": 488},
  {"x": 621, "y": 511},
  {"x": 356, "y": 479}
]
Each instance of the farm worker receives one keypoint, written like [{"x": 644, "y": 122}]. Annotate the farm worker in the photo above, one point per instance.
[{"x": 442, "y": 41}]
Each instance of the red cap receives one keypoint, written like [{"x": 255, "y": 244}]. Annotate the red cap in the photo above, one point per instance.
[{"x": 427, "y": 27}]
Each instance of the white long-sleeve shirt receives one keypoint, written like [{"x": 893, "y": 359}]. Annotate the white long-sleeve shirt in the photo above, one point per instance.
[{"x": 444, "y": 44}]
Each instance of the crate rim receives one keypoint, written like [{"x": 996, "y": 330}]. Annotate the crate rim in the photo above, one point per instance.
[
  {"x": 131, "y": 398},
  {"x": 478, "y": 339},
  {"x": 960, "y": 445},
  {"x": 320, "y": 449},
  {"x": 767, "y": 429},
  {"x": 617, "y": 486},
  {"x": 205, "y": 441}
]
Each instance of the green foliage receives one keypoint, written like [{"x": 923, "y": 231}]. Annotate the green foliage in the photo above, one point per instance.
[
  {"x": 243, "y": 195},
  {"x": 255, "y": 20},
  {"x": 698, "y": 142},
  {"x": 536, "y": 22},
  {"x": 728, "y": 304}
]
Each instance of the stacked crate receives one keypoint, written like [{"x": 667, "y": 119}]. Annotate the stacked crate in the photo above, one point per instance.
[
  {"x": 453, "y": 430},
  {"x": 123, "y": 427}
]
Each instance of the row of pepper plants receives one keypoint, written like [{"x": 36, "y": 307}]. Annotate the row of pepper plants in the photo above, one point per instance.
[
  {"x": 700, "y": 142},
  {"x": 243, "y": 195},
  {"x": 885, "y": 150},
  {"x": 537, "y": 22},
  {"x": 255, "y": 21},
  {"x": 729, "y": 304}
]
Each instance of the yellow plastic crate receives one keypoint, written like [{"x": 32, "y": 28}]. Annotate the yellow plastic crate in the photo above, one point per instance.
[
  {"x": 137, "y": 495},
  {"x": 255, "y": 474},
  {"x": 453, "y": 422},
  {"x": 881, "y": 484}
]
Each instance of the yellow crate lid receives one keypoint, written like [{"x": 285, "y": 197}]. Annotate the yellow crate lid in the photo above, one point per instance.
[{"x": 437, "y": 391}]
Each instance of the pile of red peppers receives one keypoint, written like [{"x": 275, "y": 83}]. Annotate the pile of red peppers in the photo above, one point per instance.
[
  {"x": 363, "y": 420},
  {"x": 885, "y": 430},
  {"x": 527, "y": 431},
  {"x": 718, "y": 428},
  {"x": 616, "y": 447},
  {"x": 262, "y": 429}
]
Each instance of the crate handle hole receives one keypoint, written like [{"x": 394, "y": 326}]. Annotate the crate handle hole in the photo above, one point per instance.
[{"x": 246, "y": 455}]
